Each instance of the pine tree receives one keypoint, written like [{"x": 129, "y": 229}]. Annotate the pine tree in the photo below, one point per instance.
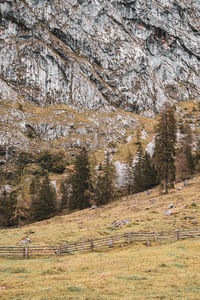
[
  {"x": 129, "y": 174},
  {"x": 138, "y": 171},
  {"x": 8, "y": 204},
  {"x": 149, "y": 173},
  {"x": 22, "y": 211},
  {"x": 35, "y": 185},
  {"x": 80, "y": 182},
  {"x": 44, "y": 204},
  {"x": 165, "y": 142},
  {"x": 185, "y": 161},
  {"x": 104, "y": 190},
  {"x": 65, "y": 190},
  {"x": 186, "y": 145}
]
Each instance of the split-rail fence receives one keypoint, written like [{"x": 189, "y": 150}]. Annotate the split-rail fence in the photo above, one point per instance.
[{"x": 27, "y": 251}]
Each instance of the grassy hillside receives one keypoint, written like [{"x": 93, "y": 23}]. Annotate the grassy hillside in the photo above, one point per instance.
[
  {"x": 163, "y": 271},
  {"x": 144, "y": 210}
]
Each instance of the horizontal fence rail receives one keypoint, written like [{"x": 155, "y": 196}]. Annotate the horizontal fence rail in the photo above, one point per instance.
[{"x": 101, "y": 243}]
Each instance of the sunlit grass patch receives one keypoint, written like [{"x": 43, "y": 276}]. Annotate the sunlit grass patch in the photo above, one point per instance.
[
  {"x": 74, "y": 289},
  {"x": 134, "y": 277},
  {"x": 181, "y": 266}
]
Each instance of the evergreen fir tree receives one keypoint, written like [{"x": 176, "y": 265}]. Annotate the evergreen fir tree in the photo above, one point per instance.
[
  {"x": 35, "y": 185},
  {"x": 80, "y": 182},
  {"x": 150, "y": 174},
  {"x": 22, "y": 211},
  {"x": 65, "y": 190},
  {"x": 104, "y": 190},
  {"x": 7, "y": 207},
  {"x": 165, "y": 142},
  {"x": 129, "y": 174},
  {"x": 44, "y": 204},
  {"x": 186, "y": 145},
  {"x": 185, "y": 161},
  {"x": 138, "y": 174}
]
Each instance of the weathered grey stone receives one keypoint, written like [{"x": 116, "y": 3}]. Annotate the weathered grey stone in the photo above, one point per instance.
[
  {"x": 171, "y": 205},
  {"x": 168, "y": 213},
  {"x": 195, "y": 222},
  {"x": 118, "y": 223},
  {"x": 90, "y": 54},
  {"x": 93, "y": 207}
]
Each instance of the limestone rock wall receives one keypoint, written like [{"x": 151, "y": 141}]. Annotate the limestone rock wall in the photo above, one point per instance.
[{"x": 132, "y": 54}]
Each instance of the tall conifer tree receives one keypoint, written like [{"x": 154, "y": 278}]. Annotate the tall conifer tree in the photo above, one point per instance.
[
  {"x": 138, "y": 180},
  {"x": 65, "y": 190},
  {"x": 129, "y": 174},
  {"x": 44, "y": 204},
  {"x": 149, "y": 173},
  {"x": 165, "y": 143},
  {"x": 80, "y": 182},
  {"x": 8, "y": 204},
  {"x": 104, "y": 190}
]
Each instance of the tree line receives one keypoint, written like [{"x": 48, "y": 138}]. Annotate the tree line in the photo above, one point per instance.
[{"x": 85, "y": 186}]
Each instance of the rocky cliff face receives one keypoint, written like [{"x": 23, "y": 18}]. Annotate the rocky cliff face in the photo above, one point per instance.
[{"x": 131, "y": 54}]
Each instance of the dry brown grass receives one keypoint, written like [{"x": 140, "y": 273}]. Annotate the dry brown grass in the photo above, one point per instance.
[
  {"x": 135, "y": 273},
  {"x": 163, "y": 271},
  {"x": 146, "y": 212}
]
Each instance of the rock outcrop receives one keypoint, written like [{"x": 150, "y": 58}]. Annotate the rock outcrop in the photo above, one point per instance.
[{"x": 131, "y": 54}]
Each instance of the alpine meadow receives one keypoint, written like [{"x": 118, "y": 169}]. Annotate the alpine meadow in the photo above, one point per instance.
[{"x": 99, "y": 149}]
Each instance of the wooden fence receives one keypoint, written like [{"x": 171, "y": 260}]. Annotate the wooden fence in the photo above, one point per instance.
[{"x": 27, "y": 251}]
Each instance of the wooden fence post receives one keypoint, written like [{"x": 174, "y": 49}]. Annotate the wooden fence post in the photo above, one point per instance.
[
  {"x": 110, "y": 244},
  {"x": 178, "y": 234},
  {"x": 26, "y": 252},
  {"x": 155, "y": 236},
  {"x": 129, "y": 240},
  {"x": 91, "y": 245},
  {"x": 60, "y": 250}
]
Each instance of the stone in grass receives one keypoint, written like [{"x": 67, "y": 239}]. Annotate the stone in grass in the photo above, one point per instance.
[
  {"x": 25, "y": 240},
  {"x": 168, "y": 213},
  {"x": 171, "y": 205},
  {"x": 148, "y": 244},
  {"x": 118, "y": 223},
  {"x": 185, "y": 183},
  {"x": 195, "y": 222},
  {"x": 93, "y": 207}
]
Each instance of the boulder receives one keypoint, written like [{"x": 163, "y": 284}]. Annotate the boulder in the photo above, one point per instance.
[
  {"x": 93, "y": 207},
  {"x": 118, "y": 223},
  {"x": 25, "y": 240},
  {"x": 148, "y": 244},
  {"x": 168, "y": 213},
  {"x": 194, "y": 222}
]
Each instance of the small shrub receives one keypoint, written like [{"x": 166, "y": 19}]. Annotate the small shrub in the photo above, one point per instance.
[
  {"x": 75, "y": 289},
  {"x": 20, "y": 106},
  {"x": 181, "y": 266},
  {"x": 18, "y": 270},
  {"x": 194, "y": 109},
  {"x": 194, "y": 204},
  {"x": 53, "y": 162},
  {"x": 162, "y": 265}
]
